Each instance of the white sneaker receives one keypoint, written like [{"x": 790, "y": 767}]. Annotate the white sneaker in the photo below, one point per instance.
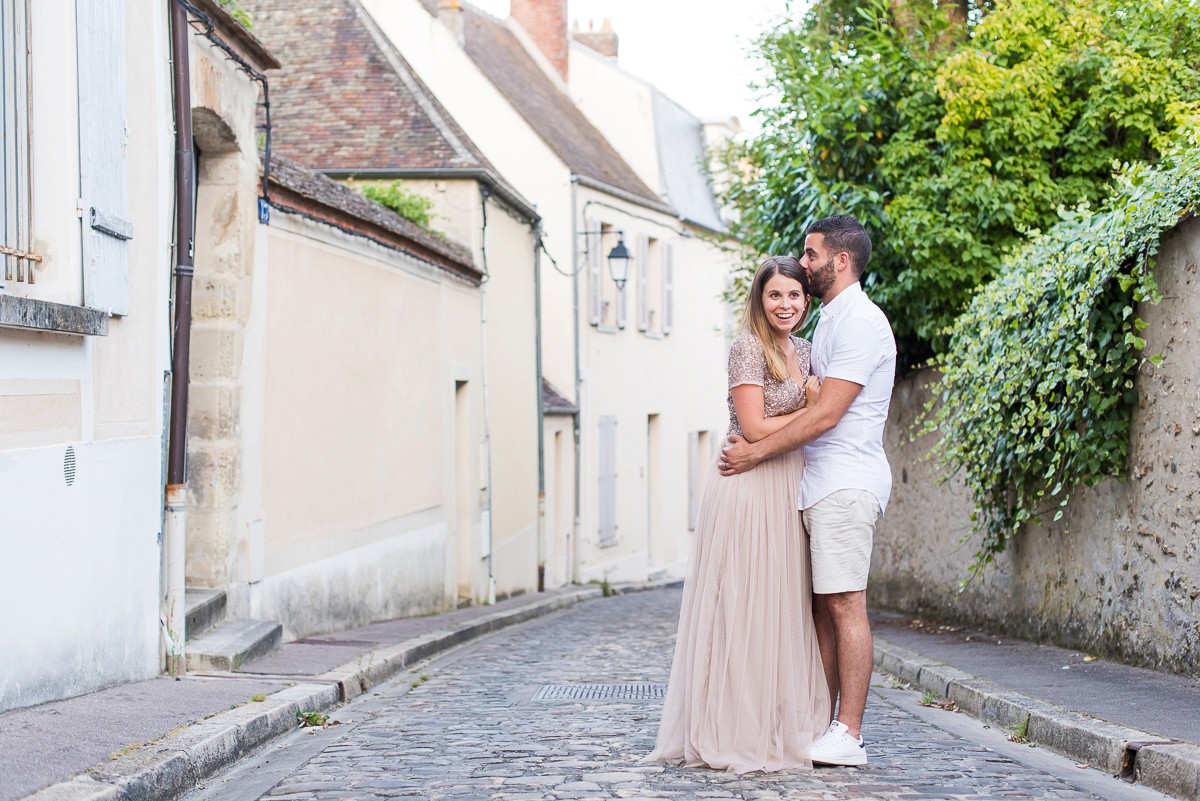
[{"x": 837, "y": 747}]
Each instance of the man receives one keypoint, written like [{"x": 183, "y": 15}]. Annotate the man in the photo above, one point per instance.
[{"x": 847, "y": 479}]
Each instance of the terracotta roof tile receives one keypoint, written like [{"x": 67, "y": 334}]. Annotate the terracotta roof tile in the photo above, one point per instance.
[{"x": 345, "y": 100}]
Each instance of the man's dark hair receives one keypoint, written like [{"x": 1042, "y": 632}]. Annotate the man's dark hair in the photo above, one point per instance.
[{"x": 844, "y": 234}]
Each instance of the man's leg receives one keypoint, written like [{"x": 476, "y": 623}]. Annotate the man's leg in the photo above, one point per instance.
[
  {"x": 827, "y": 642},
  {"x": 855, "y": 654}
]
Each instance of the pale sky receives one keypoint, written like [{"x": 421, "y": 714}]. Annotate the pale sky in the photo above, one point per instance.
[{"x": 696, "y": 51}]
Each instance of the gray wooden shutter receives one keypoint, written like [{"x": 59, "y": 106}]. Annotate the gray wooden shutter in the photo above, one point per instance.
[
  {"x": 642, "y": 265},
  {"x": 608, "y": 480},
  {"x": 693, "y": 478},
  {"x": 595, "y": 245},
  {"x": 668, "y": 293},
  {"x": 103, "y": 162}
]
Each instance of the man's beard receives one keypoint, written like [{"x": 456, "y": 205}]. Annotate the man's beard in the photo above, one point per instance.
[{"x": 821, "y": 280}]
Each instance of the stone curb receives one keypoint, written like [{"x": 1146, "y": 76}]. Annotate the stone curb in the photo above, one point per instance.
[
  {"x": 360, "y": 675},
  {"x": 1169, "y": 766},
  {"x": 174, "y": 765}
]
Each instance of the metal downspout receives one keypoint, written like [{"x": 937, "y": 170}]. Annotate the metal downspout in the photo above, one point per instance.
[
  {"x": 487, "y": 430},
  {"x": 575, "y": 534},
  {"x": 185, "y": 212},
  {"x": 541, "y": 407}
]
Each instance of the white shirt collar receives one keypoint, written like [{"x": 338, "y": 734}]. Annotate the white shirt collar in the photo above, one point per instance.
[{"x": 844, "y": 300}]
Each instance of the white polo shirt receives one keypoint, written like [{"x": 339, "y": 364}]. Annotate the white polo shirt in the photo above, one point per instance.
[{"x": 853, "y": 342}]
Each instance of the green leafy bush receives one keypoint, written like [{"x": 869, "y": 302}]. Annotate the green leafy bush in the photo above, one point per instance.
[
  {"x": 394, "y": 196},
  {"x": 1037, "y": 385},
  {"x": 238, "y": 13}
]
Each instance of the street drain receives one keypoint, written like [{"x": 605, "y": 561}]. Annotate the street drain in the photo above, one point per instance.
[{"x": 600, "y": 692}]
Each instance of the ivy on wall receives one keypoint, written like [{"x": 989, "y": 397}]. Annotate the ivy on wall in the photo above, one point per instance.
[{"x": 1037, "y": 386}]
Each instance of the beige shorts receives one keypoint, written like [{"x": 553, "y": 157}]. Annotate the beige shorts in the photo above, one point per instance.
[{"x": 841, "y": 528}]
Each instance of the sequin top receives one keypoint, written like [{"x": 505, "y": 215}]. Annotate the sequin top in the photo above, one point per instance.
[{"x": 748, "y": 365}]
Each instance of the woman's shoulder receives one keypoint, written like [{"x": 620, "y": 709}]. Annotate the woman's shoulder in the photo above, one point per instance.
[
  {"x": 746, "y": 341},
  {"x": 801, "y": 343}
]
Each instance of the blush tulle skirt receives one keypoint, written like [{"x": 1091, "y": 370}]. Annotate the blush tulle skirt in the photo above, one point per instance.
[{"x": 747, "y": 689}]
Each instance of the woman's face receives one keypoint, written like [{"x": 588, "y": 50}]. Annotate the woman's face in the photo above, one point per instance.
[{"x": 784, "y": 302}]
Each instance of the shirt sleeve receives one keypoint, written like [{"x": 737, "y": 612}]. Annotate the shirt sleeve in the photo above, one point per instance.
[
  {"x": 856, "y": 351},
  {"x": 747, "y": 364}
]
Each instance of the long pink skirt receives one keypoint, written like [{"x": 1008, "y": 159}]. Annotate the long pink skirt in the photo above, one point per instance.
[{"x": 747, "y": 690}]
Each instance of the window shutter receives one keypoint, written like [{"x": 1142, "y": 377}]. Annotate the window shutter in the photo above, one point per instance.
[
  {"x": 693, "y": 478},
  {"x": 668, "y": 293},
  {"x": 103, "y": 163},
  {"x": 608, "y": 480},
  {"x": 643, "y": 267},
  {"x": 595, "y": 245},
  {"x": 623, "y": 301}
]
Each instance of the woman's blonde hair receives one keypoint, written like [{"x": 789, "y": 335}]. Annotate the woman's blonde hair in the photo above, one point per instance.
[{"x": 754, "y": 319}]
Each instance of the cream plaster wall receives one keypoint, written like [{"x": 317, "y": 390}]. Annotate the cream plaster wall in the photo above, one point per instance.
[
  {"x": 361, "y": 478},
  {"x": 621, "y": 106},
  {"x": 82, "y": 612},
  {"x": 507, "y": 306},
  {"x": 1118, "y": 577}
]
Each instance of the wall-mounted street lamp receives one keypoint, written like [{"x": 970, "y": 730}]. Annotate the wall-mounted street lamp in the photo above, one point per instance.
[{"x": 618, "y": 258}]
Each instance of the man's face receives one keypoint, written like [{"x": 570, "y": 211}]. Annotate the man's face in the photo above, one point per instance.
[{"x": 818, "y": 263}]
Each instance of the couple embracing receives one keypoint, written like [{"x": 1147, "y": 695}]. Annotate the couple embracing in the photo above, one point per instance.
[{"x": 773, "y": 631}]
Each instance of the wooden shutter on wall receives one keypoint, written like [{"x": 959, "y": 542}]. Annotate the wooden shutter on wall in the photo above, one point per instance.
[
  {"x": 642, "y": 265},
  {"x": 595, "y": 244},
  {"x": 693, "y": 478},
  {"x": 668, "y": 289},
  {"x": 608, "y": 480},
  {"x": 103, "y": 162}
]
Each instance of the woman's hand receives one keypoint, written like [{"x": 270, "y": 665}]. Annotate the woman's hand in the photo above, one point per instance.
[{"x": 812, "y": 391}]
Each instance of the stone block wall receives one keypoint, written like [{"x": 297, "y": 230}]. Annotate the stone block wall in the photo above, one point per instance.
[{"x": 1119, "y": 575}]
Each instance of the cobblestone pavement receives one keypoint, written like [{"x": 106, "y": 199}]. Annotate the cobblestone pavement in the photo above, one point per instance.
[{"x": 472, "y": 730}]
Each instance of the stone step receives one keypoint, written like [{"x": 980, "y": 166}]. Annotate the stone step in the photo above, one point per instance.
[
  {"x": 205, "y": 609},
  {"x": 232, "y": 643}
]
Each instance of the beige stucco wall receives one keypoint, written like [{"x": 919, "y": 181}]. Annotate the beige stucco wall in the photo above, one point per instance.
[
  {"x": 81, "y": 612},
  {"x": 1119, "y": 575},
  {"x": 509, "y": 336},
  {"x": 369, "y": 466}
]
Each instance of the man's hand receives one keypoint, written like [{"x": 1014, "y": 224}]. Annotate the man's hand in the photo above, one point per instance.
[{"x": 738, "y": 456}]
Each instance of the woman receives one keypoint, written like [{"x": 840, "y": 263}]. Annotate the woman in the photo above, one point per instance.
[{"x": 747, "y": 689}]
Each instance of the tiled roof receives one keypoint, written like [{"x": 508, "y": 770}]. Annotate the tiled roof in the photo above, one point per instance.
[
  {"x": 336, "y": 204},
  {"x": 553, "y": 402},
  {"x": 558, "y": 121},
  {"x": 345, "y": 100}
]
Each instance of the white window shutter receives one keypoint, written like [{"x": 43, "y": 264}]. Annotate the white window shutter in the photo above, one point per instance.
[
  {"x": 595, "y": 245},
  {"x": 668, "y": 293},
  {"x": 608, "y": 480},
  {"x": 693, "y": 478},
  {"x": 103, "y": 161},
  {"x": 642, "y": 265}
]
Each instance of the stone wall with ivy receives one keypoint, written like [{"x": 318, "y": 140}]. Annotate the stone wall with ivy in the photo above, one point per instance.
[{"x": 1119, "y": 574}]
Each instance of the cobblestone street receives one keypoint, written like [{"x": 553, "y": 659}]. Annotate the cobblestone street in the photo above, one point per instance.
[{"x": 473, "y": 730}]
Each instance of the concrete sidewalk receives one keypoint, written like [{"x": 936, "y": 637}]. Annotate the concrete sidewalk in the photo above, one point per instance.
[
  {"x": 160, "y": 738},
  {"x": 1133, "y": 722},
  {"x": 156, "y": 739}
]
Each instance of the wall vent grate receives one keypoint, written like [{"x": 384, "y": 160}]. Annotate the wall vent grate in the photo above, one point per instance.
[
  {"x": 601, "y": 692},
  {"x": 69, "y": 466}
]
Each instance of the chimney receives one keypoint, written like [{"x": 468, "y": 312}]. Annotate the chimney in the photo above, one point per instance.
[
  {"x": 545, "y": 22},
  {"x": 603, "y": 41},
  {"x": 451, "y": 14}
]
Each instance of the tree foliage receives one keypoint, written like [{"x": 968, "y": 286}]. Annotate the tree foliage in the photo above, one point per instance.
[{"x": 951, "y": 135}]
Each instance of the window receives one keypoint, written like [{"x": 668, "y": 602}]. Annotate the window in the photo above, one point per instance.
[
  {"x": 609, "y": 306},
  {"x": 649, "y": 266},
  {"x": 15, "y": 194}
]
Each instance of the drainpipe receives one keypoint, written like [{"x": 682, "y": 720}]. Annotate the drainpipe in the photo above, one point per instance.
[
  {"x": 176, "y": 495},
  {"x": 575, "y": 534},
  {"x": 541, "y": 410},
  {"x": 487, "y": 430}
]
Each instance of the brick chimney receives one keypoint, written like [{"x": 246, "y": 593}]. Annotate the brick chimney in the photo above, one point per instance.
[
  {"x": 545, "y": 22},
  {"x": 451, "y": 14},
  {"x": 603, "y": 41}
]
